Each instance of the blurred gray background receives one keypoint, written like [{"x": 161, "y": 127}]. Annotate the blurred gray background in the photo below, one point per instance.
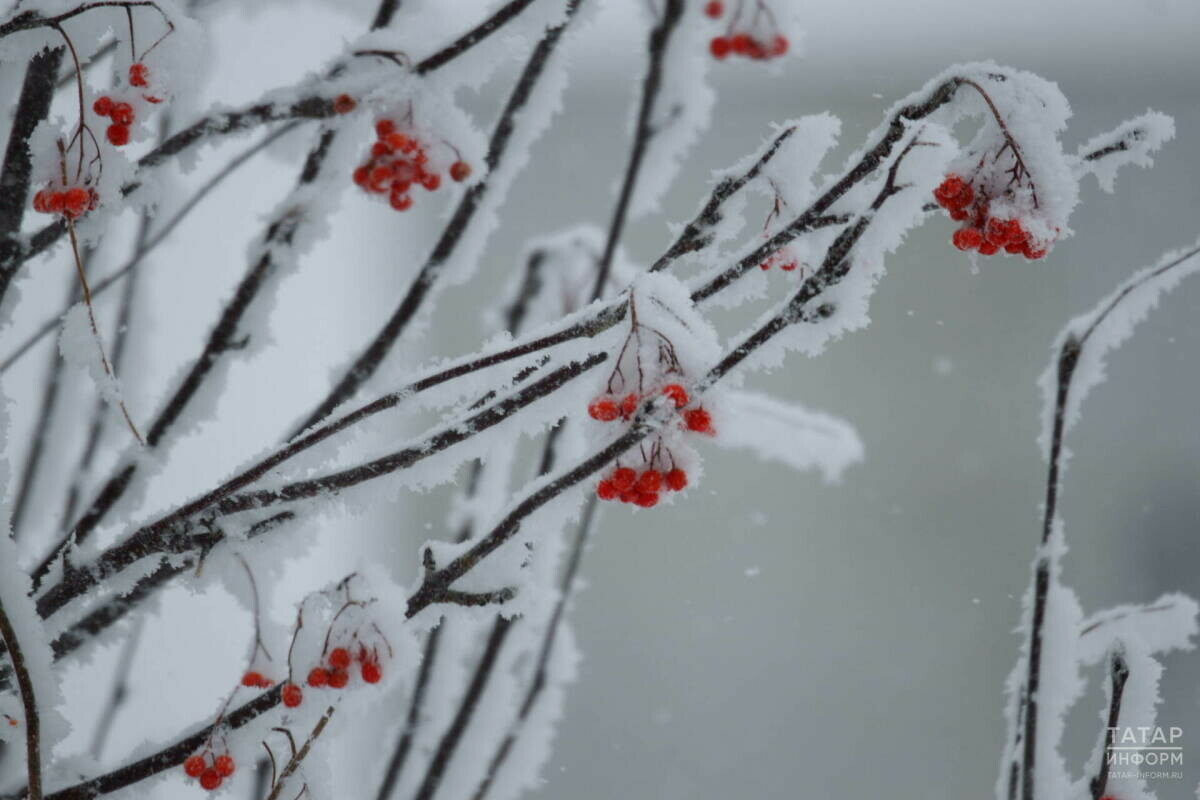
[{"x": 808, "y": 640}]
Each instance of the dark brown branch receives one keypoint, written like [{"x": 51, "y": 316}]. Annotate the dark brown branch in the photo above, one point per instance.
[
  {"x": 373, "y": 355},
  {"x": 413, "y": 720},
  {"x": 1118, "y": 672},
  {"x": 541, "y": 670},
  {"x": 32, "y": 721},
  {"x": 660, "y": 37},
  {"x": 32, "y": 108},
  {"x": 466, "y": 709},
  {"x": 472, "y": 37}
]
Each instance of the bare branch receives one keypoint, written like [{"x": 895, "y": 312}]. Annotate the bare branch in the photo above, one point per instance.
[{"x": 32, "y": 721}]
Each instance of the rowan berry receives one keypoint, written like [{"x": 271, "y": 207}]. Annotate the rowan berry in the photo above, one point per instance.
[
  {"x": 194, "y": 766},
  {"x": 122, "y": 114},
  {"x": 719, "y": 47},
  {"x": 460, "y": 171},
  {"x": 224, "y": 765},
  {"x": 607, "y": 490},
  {"x": 338, "y": 678},
  {"x": 967, "y": 238},
  {"x": 603, "y": 409},
  {"x": 344, "y": 104},
  {"x": 677, "y": 394},
  {"x": 103, "y": 105},
  {"x": 629, "y": 404},
  {"x": 986, "y": 248},
  {"x": 383, "y": 127},
  {"x": 742, "y": 44},
  {"x": 401, "y": 201},
  {"x": 138, "y": 74},
  {"x": 779, "y": 46},
  {"x": 118, "y": 135},
  {"x": 431, "y": 181},
  {"x": 252, "y": 679},
  {"x": 210, "y": 779},
  {"x": 698, "y": 420},
  {"x": 318, "y": 677},
  {"x": 339, "y": 658},
  {"x": 292, "y": 695},
  {"x": 714, "y": 8},
  {"x": 649, "y": 482},
  {"x": 646, "y": 499},
  {"x": 676, "y": 480},
  {"x": 623, "y": 478},
  {"x": 371, "y": 672}
]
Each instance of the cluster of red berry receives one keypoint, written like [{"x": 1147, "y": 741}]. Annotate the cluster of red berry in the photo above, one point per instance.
[
  {"x": 987, "y": 234},
  {"x": 743, "y": 43},
  {"x": 626, "y": 485},
  {"x": 72, "y": 202},
  {"x": 396, "y": 162},
  {"x": 607, "y": 408},
  {"x": 209, "y": 769},
  {"x": 335, "y": 674},
  {"x": 121, "y": 112}
]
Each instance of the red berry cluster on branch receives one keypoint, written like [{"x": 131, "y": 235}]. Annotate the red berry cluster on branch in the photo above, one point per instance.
[
  {"x": 628, "y": 486},
  {"x": 398, "y": 161},
  {"x": 72, "y": 202},
  {"x": 336, "y": 672},
  {"x": 983, "y": 232},
  {"x": 121, "y": 112},
  {"x": 210, "y": 769},
  {"x": 752, "y": 32}
]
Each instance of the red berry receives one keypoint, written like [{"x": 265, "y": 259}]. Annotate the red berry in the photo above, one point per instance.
[
  {"x": 292, "y": 695},
  {"x": 344, "y": 104},
  {"x": 383, "y": 127},
  {"x": 623, "y": 478},
  {"x": 650, "y": 482},
  {"x": 629, "y": 496},
  {"x": 397, "y": 141},
  {"x": 138, "y": 74},
  {"x": 118, "y": 135},
  {"x": 194, "y": 766},
  {"x": 431, "y": 181},
  {"x": 606, "y": 490},
  {"x": 986, "y": 248},
  {"x": 56, "y": 202},
  {"x": 967, "y": 238},
  {"x": 401, "y": 201},
  {"x": 677, "y": 393},
  {"x": 103, "y": 105},
  {"x": 603, "y": 409},
  {"x": 765, "y": 265},
  {"x": 371, "y": 672},
  {"x": 629, "y": 404},
  {"x": 676, "y": 479},
  {"x": 1032, "y": 252},
  {"x": 646, "y": 499},
  {"x": 210, "y": 779},
  {"x": 460, "y": 171},
  {"x": 953, "y": 193},
  {"x": 719, "y": 47},
  {"x": 381, "y": 148},
  {"x": 224, "y": 765},
  {"x": 959, "y": 214},
  {"x": 698, "y": 420},
  {"x": 252, "y": 679},
  {"x": 362, "y": 175},
  {"x": 714, "y": 8},
  {"x": 122, "y": 113},
  {"x": 318, "y": 677},
  {"x": 339, "y": 658},
  {"x": 996, "y": 231},
  {"x": 779, "y": 45},
  {"x": 338, "y": 679},
  {"x": 742, "y": 44},
  {"x": 41, "y": 200}
]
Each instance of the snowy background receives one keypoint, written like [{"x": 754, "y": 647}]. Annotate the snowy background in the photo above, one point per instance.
[{"x": 772, "y": 635}]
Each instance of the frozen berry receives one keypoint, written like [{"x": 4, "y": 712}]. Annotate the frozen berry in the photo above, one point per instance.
[
  {"x": 401, "y": 201},
  {"x": 122, "y": 113},
  {"x": 460, "y": 171},
  {"x": 194, "y": 766},
  {"x": 646, "y": 499},
  {"x": 623, "y": 478},
  {"x": 292, "y": 695},
  {"x": 210, "y": 779},
  {"x": 431, "y": 181},
  {"x": 75, "y": 201},
  {"x": 649, "y": 482},
  {"x": 967, "y": 238},
  {"x": 383, "y": 127},
  {"x": 339, "y": 658},
  {"x": 138, "y": 74},
  {"x": 103, "y": 105},
  {"x": 741, "y": 44},
  {"x": 676, "y": 480},
  {"x": 986, "y": 248},
  {"x": 698, "y": 420},
  {"x": 603, "y": 409},
  {"x": 714, "y": 8},
  {"x": 607, "y": 490},
  {"x": 338, "y": 679},
  {"x": 344, "y": 104},
  {"x": 371, "y": 672},
  {"x": 677, "y": 394},
  {"x": 118, "y": 135},
  {"x": 252, "y": 679},
  {"x": 224, "y": 765},
  {"x": 779, "y": 46},
  {"x": 629, "y": 404},
  {"x": 719, "y": 47},
  {"x": 318, "y": 677}
]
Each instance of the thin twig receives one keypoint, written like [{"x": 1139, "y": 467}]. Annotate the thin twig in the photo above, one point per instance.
[
  {"x": 294, "y": 763},
  {"x": 32, "y": 721},
  {"x": 1118, "y": 673}
]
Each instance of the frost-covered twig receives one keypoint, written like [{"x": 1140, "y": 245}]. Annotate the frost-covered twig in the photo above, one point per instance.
[
  {"x": 33, "y": 725},
  {"x": 412, "y": 720},
  {"x": 118, "y": 692},
  {"x": 538, "y": 680},
  {"x": 1118, "y": 674},
  {"x": 1141, "y": 291},
  {"x": 295, "y": 761},
  {"x": 660, "y": 37},
  {"x": 15, "y": 173},
  {"x": 422, "y": 284}
]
